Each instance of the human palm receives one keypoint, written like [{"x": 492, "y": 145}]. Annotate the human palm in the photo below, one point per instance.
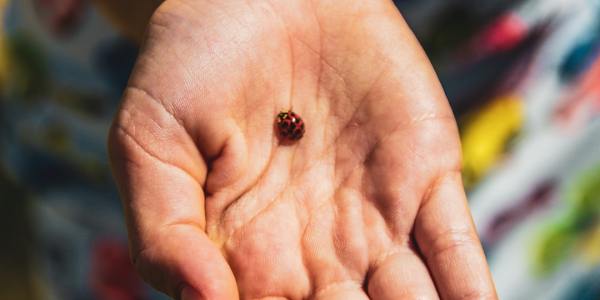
[{"x": 367, "y": 205}]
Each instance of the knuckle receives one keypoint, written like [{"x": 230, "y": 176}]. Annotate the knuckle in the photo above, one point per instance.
[{"x": 454, "y": 240}]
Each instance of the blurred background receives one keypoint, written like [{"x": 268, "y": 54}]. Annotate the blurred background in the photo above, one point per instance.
[{"x": 523, "y": 78}]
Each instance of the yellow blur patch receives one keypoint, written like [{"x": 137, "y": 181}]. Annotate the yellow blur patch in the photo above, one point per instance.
[
  {"x": 485, "y": 133},
  {"x": 590, "y": 247}
]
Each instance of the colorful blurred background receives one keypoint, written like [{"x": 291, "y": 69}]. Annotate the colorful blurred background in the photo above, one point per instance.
[{"x": 523, "y": 78}]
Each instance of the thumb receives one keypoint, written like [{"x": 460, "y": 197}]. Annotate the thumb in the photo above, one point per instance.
[{"x": 160, "y": 175}]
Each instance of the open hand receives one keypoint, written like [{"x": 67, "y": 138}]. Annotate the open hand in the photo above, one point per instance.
[{"x": 367, "y": 205}]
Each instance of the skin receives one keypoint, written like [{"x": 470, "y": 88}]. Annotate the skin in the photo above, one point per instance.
[{"x": 367, "y": 205}]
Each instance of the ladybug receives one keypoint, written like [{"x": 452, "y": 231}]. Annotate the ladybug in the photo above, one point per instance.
[{"x": 290, "y": 125}]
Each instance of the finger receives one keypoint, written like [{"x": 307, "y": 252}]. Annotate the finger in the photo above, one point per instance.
[
  {"x": 447, "y": 238},
  {"x": 401, "y": 275},
  {"x": 349, "y": 290},
  {"x": 160, "y": 175}
]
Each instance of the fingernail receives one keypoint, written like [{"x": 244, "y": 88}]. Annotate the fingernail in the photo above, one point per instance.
[{"x": 189, "y": 293}]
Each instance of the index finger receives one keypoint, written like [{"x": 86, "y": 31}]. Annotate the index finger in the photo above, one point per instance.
[{"x": 447, "y": 238}]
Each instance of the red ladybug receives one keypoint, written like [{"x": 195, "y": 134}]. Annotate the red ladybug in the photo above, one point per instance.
[{"x": 290, "y": 125}]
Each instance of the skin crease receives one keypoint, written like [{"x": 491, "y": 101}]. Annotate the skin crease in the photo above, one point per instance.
[{"x": 367, "y": 205}]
